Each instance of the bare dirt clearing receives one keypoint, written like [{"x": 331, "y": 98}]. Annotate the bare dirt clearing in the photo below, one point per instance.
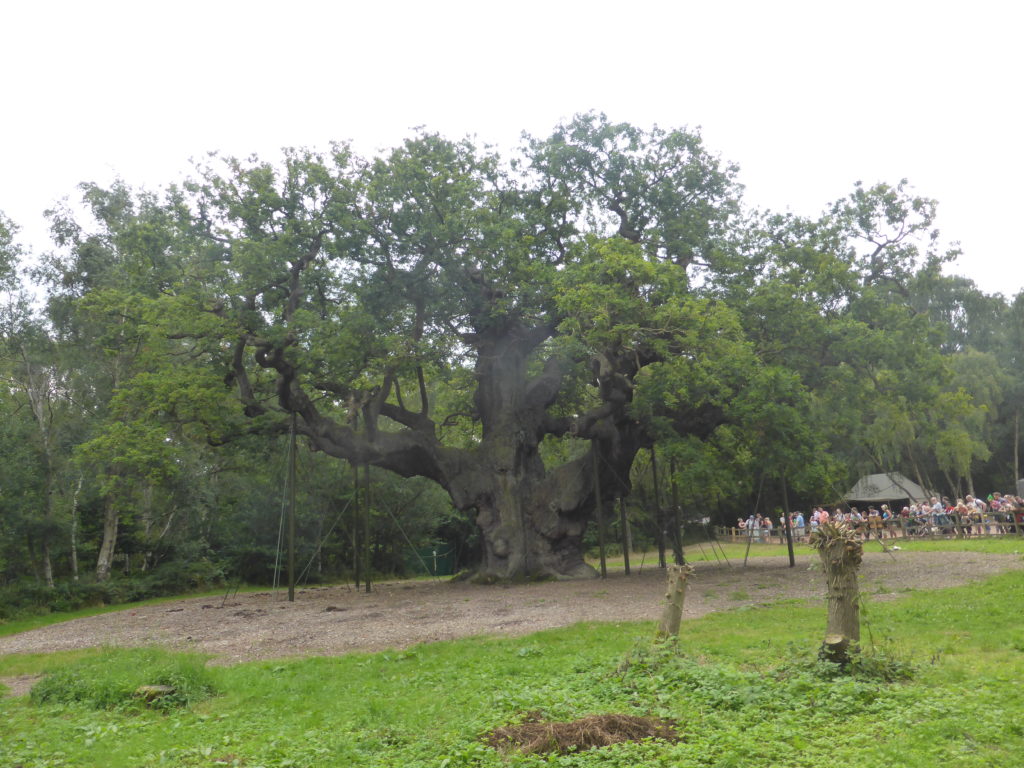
[{"x": 337, "y": 620}]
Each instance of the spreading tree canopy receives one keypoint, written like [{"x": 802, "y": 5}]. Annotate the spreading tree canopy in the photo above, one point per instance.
[
  {"x": 513, "y": 330},
  {"x": 441, "y": 313}
]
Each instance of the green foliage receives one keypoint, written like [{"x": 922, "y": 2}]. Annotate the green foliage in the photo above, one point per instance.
[
  {"x": 742, "y": 685},
  {"x": 177, "y": 577},
  {"x": 884, "y": 663},
  {"x": 758, "y": 351},
  {"x": 111, "y": 680},
  {"x": 10, "y": 252}
]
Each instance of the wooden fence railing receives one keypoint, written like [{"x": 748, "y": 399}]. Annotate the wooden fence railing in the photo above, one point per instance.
[{"x": 894, "y": 529}]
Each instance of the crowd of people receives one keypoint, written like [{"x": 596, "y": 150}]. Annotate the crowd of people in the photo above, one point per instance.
[{"x": 969, "y": 516}]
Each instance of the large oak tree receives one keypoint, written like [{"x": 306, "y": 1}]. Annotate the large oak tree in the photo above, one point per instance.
[
  {"x": 491, "y": 326},
  {"x": 512, "y": 330}
]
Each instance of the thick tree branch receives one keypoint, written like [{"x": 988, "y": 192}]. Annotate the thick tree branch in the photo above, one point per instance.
[{"x": 543, "y": 390}]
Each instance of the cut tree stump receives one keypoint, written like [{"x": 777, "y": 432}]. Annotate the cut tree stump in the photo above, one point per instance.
[
  {"x": 150, "y": 693},
  {"x": 674, "y": 599},
  {"x": 841, "y": 554}
]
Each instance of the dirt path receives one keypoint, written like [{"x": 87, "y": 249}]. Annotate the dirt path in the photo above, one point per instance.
[{"x": 337, "y": 620}]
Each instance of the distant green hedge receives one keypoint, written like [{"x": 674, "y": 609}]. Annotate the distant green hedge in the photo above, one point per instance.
[{"x": 173, "y": 578}]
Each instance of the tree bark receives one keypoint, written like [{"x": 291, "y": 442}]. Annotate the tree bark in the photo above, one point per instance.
[
  {"x": 38, "y": 386},
  {"x": 627, "y": 538},
  {"x": 672, "y": 614},
  {"x": 111, "y": 518},
  {"x": 531, "y": 517},
  {"x": 74, "y": 530},
  {"x": 1016, "y": 449},
  {"x": 841, "y": 554}
]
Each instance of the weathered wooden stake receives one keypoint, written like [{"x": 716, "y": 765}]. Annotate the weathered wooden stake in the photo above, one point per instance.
[
  {"x": 841, "y": 554},
  {"x": 366, "y": 530},
  {"x": 357, "y": 558},
  {"x": 674, "y": 599},
  {"x": 291, "y": 513},
  {"x": 659, "y": 511},
  {"x": 624, "y": 525},
  {"x": 788, "y": 522},
  {"x": 600, "y": 514},
  {"x": 677, "y": 534}
]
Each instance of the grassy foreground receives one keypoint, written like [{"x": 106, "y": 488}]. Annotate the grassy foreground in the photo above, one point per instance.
[{"x": 742, "y": 685}]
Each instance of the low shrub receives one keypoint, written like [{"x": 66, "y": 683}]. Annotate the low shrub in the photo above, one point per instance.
[
  {"x": 112, "y": 679},
  {"x": 885, "y": 663},
  {"x": 172, "y": 578}
]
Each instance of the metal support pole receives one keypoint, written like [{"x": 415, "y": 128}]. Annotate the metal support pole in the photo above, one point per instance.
[{"x": 291, "y": 514}]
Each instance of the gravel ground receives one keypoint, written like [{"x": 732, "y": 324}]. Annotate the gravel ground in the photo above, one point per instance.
[{"x": 337, "y": 620}]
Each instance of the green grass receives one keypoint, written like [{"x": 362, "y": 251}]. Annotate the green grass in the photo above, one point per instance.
[
  {"x": 741, "y": 684},
  {"x": 736, "y": 551},
  {"x": 37, "y": 663},
  {"x": 111, "y": 678}
]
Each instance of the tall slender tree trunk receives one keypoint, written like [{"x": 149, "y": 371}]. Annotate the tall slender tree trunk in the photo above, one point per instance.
[
  {"x": 1016, "y": 447},
  {"x": 74, "y": 530},
  {"x": 111, "y": 518},
  {"x": 917, "y": 470},
  {"x": 39, "y": 389},
  {"x": 627, "y": 534},
  {"x": 953, "y": 486},
  {"x": 30, "y": 546},
  {"x": 147, "y": 524},
  {"x": 49, "y": 516},
  {"x": 320, "y": 542}
]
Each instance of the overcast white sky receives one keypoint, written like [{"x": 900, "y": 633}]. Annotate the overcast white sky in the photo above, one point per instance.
[{"x": 807, "y": 97}]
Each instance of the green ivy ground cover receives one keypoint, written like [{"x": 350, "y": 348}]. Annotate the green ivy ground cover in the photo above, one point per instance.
[{"x": 742, "y": 685}]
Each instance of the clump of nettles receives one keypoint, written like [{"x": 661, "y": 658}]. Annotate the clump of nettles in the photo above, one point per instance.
[
  {"x": 128, "y": 679},
  {"x": 885, "y": 663}
]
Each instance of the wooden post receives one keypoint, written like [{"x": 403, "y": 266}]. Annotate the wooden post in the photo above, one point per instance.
[
  {"x": 291, "y": 514},
  {"x": 366, "y": 530},
  {"x": 789, "y": 527},
  {"x": 660, "y": 513},
  {"x": 677, "y": 538},
  {"x": 357, "y": 557},
  {"x": 1016, "y": 449},
  {"x": 841, "y": 554},
  {"x": 74, "y": 529},
  {"x": 600, "y": 514},
  {"x": 624, "y": 525},
  {"x": 674, "y": 599}
]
